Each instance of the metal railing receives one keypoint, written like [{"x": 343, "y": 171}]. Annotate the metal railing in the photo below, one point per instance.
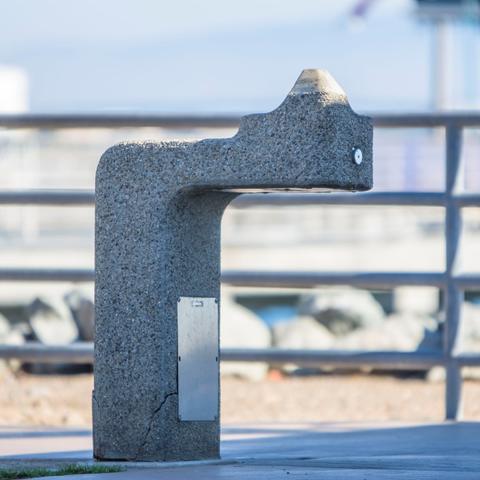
[{"x": 451, "y": 281}]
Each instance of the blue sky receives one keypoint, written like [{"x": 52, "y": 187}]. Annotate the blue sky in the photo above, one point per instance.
[{"x": 223, "y": 56}]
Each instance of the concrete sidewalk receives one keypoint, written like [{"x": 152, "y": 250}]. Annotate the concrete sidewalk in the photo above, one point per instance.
[{"x": 323, "y": 451}]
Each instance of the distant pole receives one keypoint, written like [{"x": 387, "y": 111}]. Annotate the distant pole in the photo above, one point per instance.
[
  {"x": 441, "y": 14},
  {"x": 439, "y": 66}
]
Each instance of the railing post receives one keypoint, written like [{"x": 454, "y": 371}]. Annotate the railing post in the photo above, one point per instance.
[{"x": 452, "y": 293}]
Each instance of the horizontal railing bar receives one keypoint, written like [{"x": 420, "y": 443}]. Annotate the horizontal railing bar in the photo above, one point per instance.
[
  {"x": 373, "y": 198},
  {"x": 336, "y": 358},
  {"x": 280, "y": 279},
  {"x": 87, "y": 197},
  {"x": 118, "y": 121},
  {"x": 47, "y": 197},
  {"x": 467, "y": 281},
  {"x": 468, "y": 359},
  {"x": 59, "y": 121},
  {"x": 467, "y": 199},
  {"x": 82, "y": 352},
  {"x": 47, "y": 274},
  {"x": 428, "y": 120},
  {"x": 373, "y": 280}
]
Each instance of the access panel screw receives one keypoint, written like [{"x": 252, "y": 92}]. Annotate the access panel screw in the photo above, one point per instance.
[{"x": 357, "y": 156}]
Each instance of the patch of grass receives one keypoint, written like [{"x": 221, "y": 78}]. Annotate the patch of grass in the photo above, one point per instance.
[{"x": 74, "y": 469}]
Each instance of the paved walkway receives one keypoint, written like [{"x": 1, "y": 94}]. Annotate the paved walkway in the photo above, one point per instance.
[{"x": 323, "y": 451}]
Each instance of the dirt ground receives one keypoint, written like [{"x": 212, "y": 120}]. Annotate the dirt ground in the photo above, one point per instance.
[{"x": 65, "y": 400}]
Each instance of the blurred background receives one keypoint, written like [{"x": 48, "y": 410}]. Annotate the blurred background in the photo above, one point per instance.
[{"x": 231, "y": 58}]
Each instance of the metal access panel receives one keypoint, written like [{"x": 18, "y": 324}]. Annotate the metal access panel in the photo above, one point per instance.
[{"x": 198, "y": 351}]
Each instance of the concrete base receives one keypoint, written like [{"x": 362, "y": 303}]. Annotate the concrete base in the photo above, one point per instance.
[{"x": 326, "y": 451}]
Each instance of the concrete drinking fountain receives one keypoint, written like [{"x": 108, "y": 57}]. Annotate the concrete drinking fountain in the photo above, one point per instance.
[{"x": 158, "y": 215}]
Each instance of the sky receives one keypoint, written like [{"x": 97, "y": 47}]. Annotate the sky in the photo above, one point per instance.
[{"x": 224, "y": 56}]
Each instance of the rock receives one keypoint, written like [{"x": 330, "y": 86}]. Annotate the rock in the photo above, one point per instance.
[
  {"x": 52, "y": 322},
  {"x": 399, "y": 332},
  {"x": 469, "y": 341},
  {"x": 342, "y": 311},
  {"x": 4, "y": 327},
  {"x": 469, "y": 334},
  {"x": 469, "y": 337},
  {"x": 9, "y": 336},
  {"x": 433, "y": 337},
  {"x": 13, "y": 337},
  {"x": 83, "y": 312},
  {"x": 241, "y": 328},
  {"x": 436, "y": 375},
  {"x": 302, "y": 333}
]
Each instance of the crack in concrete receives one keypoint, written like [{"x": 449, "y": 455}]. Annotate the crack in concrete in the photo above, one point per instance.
[
  {"x": 94, "y": 400},
  {"x": 150, "y": 423}
]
